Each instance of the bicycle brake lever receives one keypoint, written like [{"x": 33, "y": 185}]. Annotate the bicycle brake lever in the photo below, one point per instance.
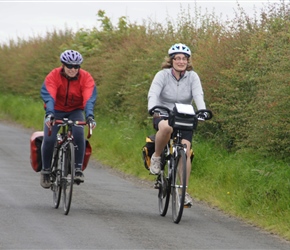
[{"x": 90, "y": 131}]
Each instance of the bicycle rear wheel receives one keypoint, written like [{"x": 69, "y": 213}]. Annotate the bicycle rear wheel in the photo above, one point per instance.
[
  {"x": 178, "y": 186},
  {"x": 68, "y": 176},
  {"x": 56, "y": 177}
]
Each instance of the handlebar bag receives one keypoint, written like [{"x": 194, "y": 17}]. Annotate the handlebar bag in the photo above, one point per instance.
[{"x": 183, "y": 117}]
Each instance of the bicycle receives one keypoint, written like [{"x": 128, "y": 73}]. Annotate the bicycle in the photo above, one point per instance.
[
  {"x": 172, "y": 177},
  {"x": 63, "y": 163}
]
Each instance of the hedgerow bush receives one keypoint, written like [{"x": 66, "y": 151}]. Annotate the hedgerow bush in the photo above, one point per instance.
[{"x": 243, "y": 64}]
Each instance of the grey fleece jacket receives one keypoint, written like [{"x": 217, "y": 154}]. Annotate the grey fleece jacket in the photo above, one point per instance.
[{"x": 165, "y": 90}]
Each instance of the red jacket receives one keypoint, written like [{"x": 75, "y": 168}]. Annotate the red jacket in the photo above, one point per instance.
[{"x": 64, "y": 94}]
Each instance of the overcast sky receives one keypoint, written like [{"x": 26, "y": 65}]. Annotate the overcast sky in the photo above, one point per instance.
[{"x": 26, "y": 19}]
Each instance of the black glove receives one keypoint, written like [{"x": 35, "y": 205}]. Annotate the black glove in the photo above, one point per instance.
[
  {"x": 156, "y": 114},
  {"x": 49, "y": 120},
  {"x": 91, "y": 121},
  {"x": 202, "y": 116}
]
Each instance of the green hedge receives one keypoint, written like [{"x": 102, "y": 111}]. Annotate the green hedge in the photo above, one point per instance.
[{"x": 243, "y": 64}]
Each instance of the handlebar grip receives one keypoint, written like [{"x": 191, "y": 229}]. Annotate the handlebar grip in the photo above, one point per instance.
[{"x": 151, "y": 111}]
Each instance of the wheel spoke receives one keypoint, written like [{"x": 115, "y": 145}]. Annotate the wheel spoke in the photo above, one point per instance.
[
  {"x": 68, "y": 170},
  {"x": 164, "y": 187},
  {"x": 56, "y": 177},
  {"x": 178, "y": 186}
]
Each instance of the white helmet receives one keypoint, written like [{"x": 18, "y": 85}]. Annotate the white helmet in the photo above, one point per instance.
[
  {"x": 179, "y": 48},
  {"x": 71, "y": 57}
]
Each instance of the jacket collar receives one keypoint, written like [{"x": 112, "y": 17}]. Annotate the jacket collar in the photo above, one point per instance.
[{"x": 181, "y": 74}]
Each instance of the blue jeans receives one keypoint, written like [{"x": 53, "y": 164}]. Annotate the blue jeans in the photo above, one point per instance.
[{"x": 49, "y": 141}]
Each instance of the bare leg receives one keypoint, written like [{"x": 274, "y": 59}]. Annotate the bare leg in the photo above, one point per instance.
[
  {"x": 188, "y": 161},
  {"x": 162, "y": 137},
  {"x": 188, "y": 200}
]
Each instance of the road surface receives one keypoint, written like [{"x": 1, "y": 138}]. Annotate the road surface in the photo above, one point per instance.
[{"x": 109, "y": 211}]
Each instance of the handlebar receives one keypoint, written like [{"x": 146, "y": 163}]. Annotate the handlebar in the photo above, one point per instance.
[
  {"x": 201, "y": 111},
  {"x": 67, "y": 122},
  {"x": 151, "y": 111}
]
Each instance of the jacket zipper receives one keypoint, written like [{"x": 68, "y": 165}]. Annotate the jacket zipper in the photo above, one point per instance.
[
  {"x": 177, "y": 91},
  {"x": 67, "y": 91}
]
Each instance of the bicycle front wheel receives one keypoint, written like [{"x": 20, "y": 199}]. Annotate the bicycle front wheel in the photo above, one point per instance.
[
  {"x": 68, "y": 176},
  {"x": 164, "y": 192},
  {"x": 178, "y": 186},
  {"x": 56, "y": 177}
]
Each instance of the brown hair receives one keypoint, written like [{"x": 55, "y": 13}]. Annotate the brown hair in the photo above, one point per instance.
[{"x": 168, "y": 62}]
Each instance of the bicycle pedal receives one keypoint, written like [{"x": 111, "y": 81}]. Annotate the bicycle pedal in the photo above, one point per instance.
[
  {"x": 187, "y": 206},
  {"x": 78, "y": 182},
  {"x": 156, "y": 185}
]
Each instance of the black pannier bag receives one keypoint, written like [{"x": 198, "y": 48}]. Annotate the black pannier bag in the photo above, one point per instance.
[
  {"x": 183, "y": 117},
  {"x": 148, "y": 150}
]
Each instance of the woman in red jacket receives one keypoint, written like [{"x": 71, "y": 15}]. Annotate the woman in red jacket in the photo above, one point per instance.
[{"x": 68, "y": 92}]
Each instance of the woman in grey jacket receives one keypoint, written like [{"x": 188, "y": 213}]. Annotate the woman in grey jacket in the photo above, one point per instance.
[{"x": 175, "y": 83}]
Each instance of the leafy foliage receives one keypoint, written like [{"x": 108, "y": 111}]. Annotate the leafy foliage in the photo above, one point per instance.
[{"x": 243, "y": 64}]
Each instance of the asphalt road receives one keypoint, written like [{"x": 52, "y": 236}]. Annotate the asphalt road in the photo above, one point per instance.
[{"x": 109, "y": 211}]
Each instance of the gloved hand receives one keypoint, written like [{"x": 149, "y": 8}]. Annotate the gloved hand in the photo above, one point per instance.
[
  {"x": 202, "y": 116},
  {"x": 156, "y": 114},
  {"x": 49, "y": 120},
  {"x": 91, "y": 122}
]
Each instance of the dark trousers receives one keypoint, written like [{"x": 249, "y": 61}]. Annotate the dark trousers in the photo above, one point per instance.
[{"x": 49, "y": 141}]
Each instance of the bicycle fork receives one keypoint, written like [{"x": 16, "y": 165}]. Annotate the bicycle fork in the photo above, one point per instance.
[{"x": 178, "y": 169}]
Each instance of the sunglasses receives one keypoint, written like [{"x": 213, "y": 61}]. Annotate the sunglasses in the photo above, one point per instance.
[{"x": 70, "y": 66}]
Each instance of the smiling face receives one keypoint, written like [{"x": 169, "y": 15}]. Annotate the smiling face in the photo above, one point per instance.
[
  {"x": 180, "y": 62},
  {"x": 71, "y": 70}
]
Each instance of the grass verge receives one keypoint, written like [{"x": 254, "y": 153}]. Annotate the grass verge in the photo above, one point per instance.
[{"x": 242, "y": 184}]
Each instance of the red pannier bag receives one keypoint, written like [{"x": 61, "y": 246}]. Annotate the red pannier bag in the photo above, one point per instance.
[
  {"x": 35, "y": 150},
  {"x": 88, "y": 152}
]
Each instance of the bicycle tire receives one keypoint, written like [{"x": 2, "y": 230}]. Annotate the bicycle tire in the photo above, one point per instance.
[
  {"x": 163, "y": 184},
  {"x": 163, "y": 192},
  {"x": 68, "y": 176},
  {"x": 56, "y": 178},
  {"x": 178, "y": 186}
]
